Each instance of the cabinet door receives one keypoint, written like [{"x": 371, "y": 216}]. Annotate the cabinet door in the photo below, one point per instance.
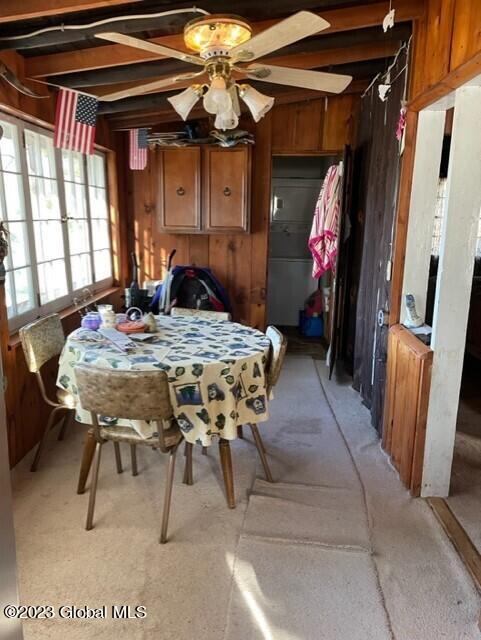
[
  {"x": 226, "y": 189},
  {"x": 179, "y": 190}
]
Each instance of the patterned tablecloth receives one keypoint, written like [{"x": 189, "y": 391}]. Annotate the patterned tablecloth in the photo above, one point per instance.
[{"x": 216, "y": 373}]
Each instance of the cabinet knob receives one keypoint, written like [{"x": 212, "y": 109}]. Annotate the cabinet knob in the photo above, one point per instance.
[
  {"x": 180, "y": 191},
  {"x": 227, "y": 191}
]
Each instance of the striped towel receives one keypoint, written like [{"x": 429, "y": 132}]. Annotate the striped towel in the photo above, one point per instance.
[{"x": 325, "y": 226}]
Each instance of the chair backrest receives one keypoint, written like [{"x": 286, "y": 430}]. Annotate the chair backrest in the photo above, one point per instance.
[
  {"x": 42, "y": 340},
  {"x": 201, "y": 313},
  {"x": 278, "y": 351},
  {"x": 132, "y": 395}
]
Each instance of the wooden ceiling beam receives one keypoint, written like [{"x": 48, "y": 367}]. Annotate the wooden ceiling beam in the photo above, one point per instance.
[
  {"x": 346, "y": 19},
  {"x": 311, "y": 60},
  {"x": 14, "y": 10}
]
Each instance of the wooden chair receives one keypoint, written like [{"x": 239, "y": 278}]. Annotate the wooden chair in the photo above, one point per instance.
[
  {"x": 41, "y": 341},
  {"x": 132, "y": 395},
  {"x": 200, "y": 313}
]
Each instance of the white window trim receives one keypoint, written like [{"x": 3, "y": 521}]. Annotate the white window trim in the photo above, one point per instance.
[{"x": 66, "y": 301}]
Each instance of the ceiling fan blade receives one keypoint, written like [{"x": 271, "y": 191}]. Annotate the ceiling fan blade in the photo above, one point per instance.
[
  {"x": 148, "y": 87},
  {"x": 159, "y": 49},
  {"x": 300, "y": 25},
  {"x": 316, "y": 80}
]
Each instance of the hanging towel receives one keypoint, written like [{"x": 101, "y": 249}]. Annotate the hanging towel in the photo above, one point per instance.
[{"x": 325, "y": 226}]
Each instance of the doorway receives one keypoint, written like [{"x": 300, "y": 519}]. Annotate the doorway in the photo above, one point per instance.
[{"x": 296, "y": 183}]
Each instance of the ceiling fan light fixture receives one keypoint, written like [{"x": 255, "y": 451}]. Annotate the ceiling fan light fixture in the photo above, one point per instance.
[
  {"x": 258, "y": 103},
  {"x": 216, "y": 32},
  {"x": 217, "y": 98},
  {"x": 226, "y": 120},
  {"x": 184, "y": 102}
]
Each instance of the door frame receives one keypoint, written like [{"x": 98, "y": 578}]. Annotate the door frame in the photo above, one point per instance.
[{"x": 419, "y": 176}]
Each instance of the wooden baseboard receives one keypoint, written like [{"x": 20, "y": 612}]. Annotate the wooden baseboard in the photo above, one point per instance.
[{"x": 459, "y": 538}]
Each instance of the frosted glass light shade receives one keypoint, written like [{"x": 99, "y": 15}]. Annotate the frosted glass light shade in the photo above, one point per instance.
[
  {"x": 258, "y": 103},
  {"x": 183, "y": 102},
  {"x": 226, "y": 120},
  {"x": 217, "y": 99}
]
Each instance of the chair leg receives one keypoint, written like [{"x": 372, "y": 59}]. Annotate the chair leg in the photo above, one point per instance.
[
  {"x": 118, "y": 457},
  {"x": 262, "y": 451},
  {"x": 87, "y": 457},
  {"x": 168, "y": 495},
  {"x": 93, "y": 489},
  {"x": 64, "y": 425},
  {"x": 43, "y": 440},
  {"x": 188, "y": 472},
  {"x": 226, "y": 463},
  {"x": 133, "y": 458},
  {"x": 240, "y": 432}
]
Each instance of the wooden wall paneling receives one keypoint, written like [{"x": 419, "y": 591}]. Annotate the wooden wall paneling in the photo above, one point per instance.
[
  {"x": 297, "y": 127},
  {"x": 199, "y": 250},
  {"x": 466, "y": 32},
  {"x": 338, "y": 122},
  {"x": 409, "y": 375},
  {"x": 421, "y": 422},
  {"x": 437, "y": 51},
  {"x": 261, "y": 198}
]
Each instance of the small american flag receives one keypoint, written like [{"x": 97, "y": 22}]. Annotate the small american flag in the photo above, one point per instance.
[
  {"x": 138, "y": 149},
  {"x": 75, "y": 121}
]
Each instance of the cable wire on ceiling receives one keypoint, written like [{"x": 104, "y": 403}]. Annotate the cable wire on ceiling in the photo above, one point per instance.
[
  {"x": 385, "y": 74},
  {"x": 98, "y": 23}
]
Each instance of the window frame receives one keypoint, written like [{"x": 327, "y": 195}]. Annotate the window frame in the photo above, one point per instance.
[{"x": 66, "y": 300}]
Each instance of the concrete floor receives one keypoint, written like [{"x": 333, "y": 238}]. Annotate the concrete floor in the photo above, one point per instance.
[
  {"x": 336, "y": 549},
  {"x": 465, "y": 490}
]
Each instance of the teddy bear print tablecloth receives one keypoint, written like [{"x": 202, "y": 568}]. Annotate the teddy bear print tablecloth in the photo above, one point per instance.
[{"x": 216, "y": 373}]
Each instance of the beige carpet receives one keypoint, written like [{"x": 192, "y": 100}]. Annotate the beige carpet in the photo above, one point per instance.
[{"x": 301, "y": 560}]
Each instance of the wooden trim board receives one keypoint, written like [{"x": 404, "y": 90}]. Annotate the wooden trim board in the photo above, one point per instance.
[{"x": 459, "y": 538}]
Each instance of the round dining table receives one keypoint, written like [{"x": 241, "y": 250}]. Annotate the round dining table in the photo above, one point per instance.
[{"x": 216, "y": 372}]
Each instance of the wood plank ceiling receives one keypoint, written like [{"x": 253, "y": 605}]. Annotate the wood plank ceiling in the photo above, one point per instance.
[{"x": 354, "y": 44}]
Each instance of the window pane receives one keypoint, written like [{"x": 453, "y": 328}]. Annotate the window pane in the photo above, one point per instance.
[
  {"x": 44, "y": 199},
  {"x": 78, "y": 235},
  {"x": 102, "y": 265},
  {"x": 100, "y": 234},
  {"x": 81, "y": 271},
  {"x": 96, "y": 170},
  {"x": 18, "y": 244},
  {"x": 75, "y": 200},
  {"x": 8, "y": 296},
  {"x": 9, "y": 147},
  {"x": 73, "y": 166},
  {"x": 14, "y": 196},
  {"x": 40, "y": 154},
  {"x": 24, "y": 290},
  {"x": 98, "y": 203},
  {"x": 48, "y": 240},
  {"x": 52, "y": 280}
]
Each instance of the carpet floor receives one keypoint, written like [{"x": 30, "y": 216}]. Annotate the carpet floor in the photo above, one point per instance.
[{"x": 335, "y": 550}]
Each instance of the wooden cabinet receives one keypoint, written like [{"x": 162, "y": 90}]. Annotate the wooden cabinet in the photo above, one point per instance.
[
  {"x": 226, "y": 189},
  {"x": 204, "y": 190},
  {"x": 180, "y": 189}
]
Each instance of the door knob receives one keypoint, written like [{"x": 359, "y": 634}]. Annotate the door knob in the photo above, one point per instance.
[
  {"x": 227, "y": 191},
  {"x": 180, "y": 191}
]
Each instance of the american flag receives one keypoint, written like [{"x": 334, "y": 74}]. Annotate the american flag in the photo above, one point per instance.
[
  {"x": 138, "y": 148},
  {"x": 75, "y": 121}
]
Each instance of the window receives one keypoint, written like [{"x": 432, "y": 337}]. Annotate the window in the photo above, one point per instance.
[
  {"x": 441, "y": 201},
  {"x": 55, "y": 206}
]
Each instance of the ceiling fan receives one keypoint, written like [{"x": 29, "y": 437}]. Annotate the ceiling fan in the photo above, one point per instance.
[{"x": 224, "y": 47}]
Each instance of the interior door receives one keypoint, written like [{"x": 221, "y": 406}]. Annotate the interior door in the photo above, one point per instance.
[{"x": 338, "y": 294}]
